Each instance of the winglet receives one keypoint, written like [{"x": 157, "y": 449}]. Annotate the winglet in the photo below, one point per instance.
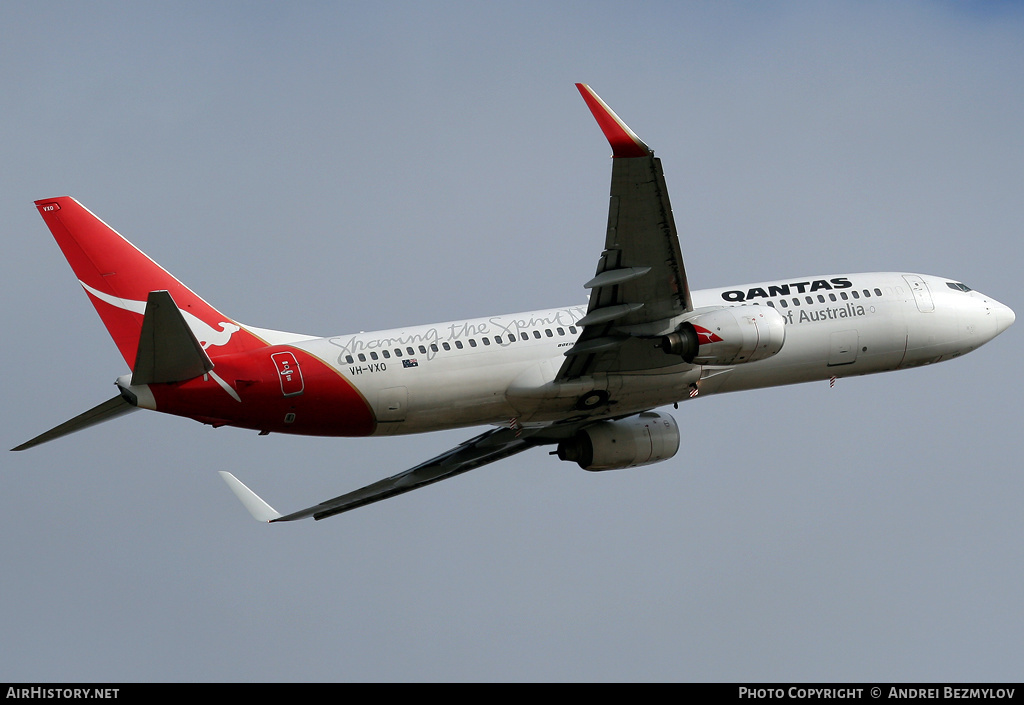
[
  {"x": 623, "y": 140},
  {"x": 260, "y": 510}
]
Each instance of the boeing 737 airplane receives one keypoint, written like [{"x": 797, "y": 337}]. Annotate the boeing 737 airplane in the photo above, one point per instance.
[{"x": 584, "y": 380}]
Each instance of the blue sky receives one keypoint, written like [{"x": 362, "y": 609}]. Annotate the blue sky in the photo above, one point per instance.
[{"x": 333, "y": 167}]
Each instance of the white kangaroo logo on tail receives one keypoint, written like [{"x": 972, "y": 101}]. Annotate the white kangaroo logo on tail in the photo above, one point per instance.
[{"x": 207, "y": 335}]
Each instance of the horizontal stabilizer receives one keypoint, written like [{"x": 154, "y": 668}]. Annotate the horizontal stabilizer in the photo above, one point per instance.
[
  {"x": 168, "y": 349},
  {"x": 98, "y": 414}
]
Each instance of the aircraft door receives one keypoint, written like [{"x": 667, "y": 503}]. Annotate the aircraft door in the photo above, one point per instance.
[
  {"x": 922, "y": 296},
  {"x": 289, "y": 373}
]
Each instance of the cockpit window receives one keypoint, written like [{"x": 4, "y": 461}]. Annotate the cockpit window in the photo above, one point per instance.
[{"x": 958, "y": 286}]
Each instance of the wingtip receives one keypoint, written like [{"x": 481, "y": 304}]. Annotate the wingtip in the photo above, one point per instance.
[
  {"x": 260, "y": 510},
  {"x": 624, "y": 141}
]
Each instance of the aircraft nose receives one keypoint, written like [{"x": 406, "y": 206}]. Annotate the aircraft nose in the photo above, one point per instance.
[{"x": 1004, "y": 316}]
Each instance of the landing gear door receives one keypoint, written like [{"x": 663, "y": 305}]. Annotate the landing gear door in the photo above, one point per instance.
[
  {"x": 391, "y": 404},
  {"x": 843, "y": 347}
]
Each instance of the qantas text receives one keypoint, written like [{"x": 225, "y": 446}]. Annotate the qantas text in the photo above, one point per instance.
[{"x": 758, "y": 292}]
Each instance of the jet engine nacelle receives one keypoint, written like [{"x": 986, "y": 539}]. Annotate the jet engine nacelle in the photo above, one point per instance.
[
  {"x": 609, "y": 445},
  {"x": 727, "y": 335}
]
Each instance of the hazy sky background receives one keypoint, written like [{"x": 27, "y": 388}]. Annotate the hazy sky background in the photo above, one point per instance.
[{"x": 332, "y": 167}]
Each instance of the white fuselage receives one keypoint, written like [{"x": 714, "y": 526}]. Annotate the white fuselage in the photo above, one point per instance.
[{"x": 499, "y": 369}]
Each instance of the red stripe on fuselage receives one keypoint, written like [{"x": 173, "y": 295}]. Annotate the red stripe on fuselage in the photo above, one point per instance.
[{"x": 328, "y": 405}]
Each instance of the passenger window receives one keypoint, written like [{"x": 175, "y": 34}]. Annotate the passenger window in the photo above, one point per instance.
[
  {"x": 348, "y": 359},
  {"x": 536, "y": 334},
  {"x": 878, "y": 292},
  {"x": 487, "y": 341},
  {"x": 843, "y": 295},
  {"x": 472, "y": 342},
  {"x": 548, "y": 333},
  {"x": 524, "y": 336},
  {"x": 362, "y": 357},
  {"x": 373, "y": 356},
  {"x": 423, "y": 351},
  {"x": 783, "y": 303},
  {"x": 572, "y": 329},
  {"x": 832, "y": 297},
  {"x": 433, "y": 347},
  {"x": 386, "y": 354},
  {"x": 561, "y": 331},
  {"x": 398, "y": 352},
  {"x": 446, "y": 346},
  {"x": 856, "y": 294},
  {"x": 458, "y": 344}
]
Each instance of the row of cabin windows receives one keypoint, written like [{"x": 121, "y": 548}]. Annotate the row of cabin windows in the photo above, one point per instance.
[
  {"x": 832, "y": 297},
  {"x": 459, "y": 345}
]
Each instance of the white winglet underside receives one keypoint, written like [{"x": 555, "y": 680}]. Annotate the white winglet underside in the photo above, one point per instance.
[{"x": 260, "y": 510}]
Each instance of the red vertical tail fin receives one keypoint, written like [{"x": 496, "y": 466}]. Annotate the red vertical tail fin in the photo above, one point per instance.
[{"x": 118, "y": 278}]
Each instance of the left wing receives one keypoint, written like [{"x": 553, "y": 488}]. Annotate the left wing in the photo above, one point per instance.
[
  {"x": 640, "y": 284},
  {"x": 486, "y": 448}
]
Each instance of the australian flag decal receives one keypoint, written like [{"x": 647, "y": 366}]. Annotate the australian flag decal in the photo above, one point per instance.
[{"x": 411, "y": 362}]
